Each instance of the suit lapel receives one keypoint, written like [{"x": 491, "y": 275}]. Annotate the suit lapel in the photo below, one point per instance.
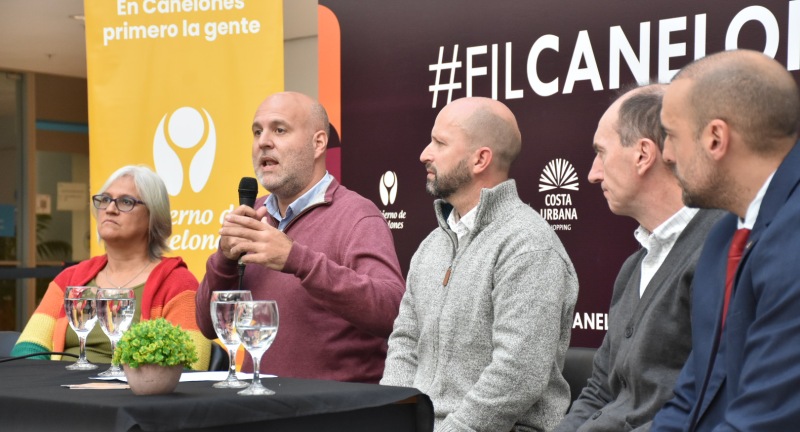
[
  {"x": 714, "y": 285},
  {"x": 782, "y": 185}
]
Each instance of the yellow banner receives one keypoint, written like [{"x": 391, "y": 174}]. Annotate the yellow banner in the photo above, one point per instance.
[{"x": 173, "y": 84}]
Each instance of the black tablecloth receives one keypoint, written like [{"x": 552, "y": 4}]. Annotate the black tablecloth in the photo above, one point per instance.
[{"x": 31, "y": 398}]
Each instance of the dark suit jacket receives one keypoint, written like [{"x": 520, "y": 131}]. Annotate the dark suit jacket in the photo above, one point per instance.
[{"x": 749, "y": 378}]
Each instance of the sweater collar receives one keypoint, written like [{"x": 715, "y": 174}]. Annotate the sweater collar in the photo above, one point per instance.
[
  {"x": 493, "y": 203},
  {"x": 87, "y": 270},
  {"x": 313, "y": 196}
]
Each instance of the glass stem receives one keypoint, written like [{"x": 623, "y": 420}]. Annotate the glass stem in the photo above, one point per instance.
[
  {"x": 232, "y": 364},
  {"x": 82, "y": 345},
  {"x": 113, "y": 348},
  {"x": 256, "y": 366}
]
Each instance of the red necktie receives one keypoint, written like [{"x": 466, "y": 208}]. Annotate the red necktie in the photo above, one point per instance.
[{"x": 734, "y": 256}]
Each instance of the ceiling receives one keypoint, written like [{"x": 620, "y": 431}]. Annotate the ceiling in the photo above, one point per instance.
[{"x": 40, "y": 36}]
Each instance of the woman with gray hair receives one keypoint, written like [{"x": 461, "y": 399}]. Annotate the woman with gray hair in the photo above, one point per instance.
[{"x": 133, "y": 223}]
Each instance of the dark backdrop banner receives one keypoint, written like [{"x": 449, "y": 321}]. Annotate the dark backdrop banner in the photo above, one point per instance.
[{"x": 387, "y": 68}]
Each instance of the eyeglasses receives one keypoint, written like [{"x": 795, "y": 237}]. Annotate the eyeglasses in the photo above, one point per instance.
[{"x": 124, "y": 203}]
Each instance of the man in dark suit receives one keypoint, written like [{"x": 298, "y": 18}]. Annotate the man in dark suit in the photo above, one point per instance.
[
  {"x": 731, "y": 123},
  {"x": 646, "y": 344}
]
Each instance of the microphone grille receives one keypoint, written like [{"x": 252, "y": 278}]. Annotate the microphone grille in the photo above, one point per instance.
[
  {"x": 248, "y": 184},
  {"x": 248, "y": 190}
]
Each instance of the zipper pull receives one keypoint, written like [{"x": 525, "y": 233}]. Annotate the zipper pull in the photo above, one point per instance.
[{"x": 447, "y": 276}]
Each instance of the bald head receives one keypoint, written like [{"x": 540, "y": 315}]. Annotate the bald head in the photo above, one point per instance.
[
  {"x": 317, "y": 117},
  {"x": 751, "y": 92},
  {"x": 488, "y": 123}
]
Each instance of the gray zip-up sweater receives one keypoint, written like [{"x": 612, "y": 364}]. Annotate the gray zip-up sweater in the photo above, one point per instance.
[{"x": 486, "y": 339}]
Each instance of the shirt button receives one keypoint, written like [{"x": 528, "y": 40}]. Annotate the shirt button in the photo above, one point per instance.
[
  {"x": 596, "y": 415},
  {"x": 628, "y": 331}
]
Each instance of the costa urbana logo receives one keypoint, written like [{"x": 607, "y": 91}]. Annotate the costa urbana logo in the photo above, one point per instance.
[
  {"x": 185, "y": 128},
  {"x": 558, "y": 174},
  {"x": 388, "y": 187}
]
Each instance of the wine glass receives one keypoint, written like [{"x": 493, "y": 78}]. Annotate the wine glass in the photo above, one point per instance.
[
  {"x": 79, "y": 305},
  {"x": 257, "y": 325},
  {"x": 115, "y": 308},
  {"x": 223, "y": 304}
]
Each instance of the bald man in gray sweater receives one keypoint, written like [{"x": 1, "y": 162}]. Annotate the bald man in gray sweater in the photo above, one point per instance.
[{"x": 485, "y": 322}]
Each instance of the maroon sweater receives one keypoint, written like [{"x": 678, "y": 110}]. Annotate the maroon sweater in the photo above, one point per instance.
[{"x": 338, "y": 294}]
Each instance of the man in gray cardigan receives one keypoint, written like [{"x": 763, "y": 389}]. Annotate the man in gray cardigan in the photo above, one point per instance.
[
  {"x": 649, "y": 335},
  {"x": 485, "y": 322}
]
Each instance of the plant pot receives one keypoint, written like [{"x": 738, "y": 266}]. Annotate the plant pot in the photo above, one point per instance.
[{"x": 150, "y": 379}]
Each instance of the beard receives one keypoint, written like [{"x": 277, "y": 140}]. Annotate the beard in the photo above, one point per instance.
[
  {"x": 710, "y": 189},
  {"x": 287, "y": 185},
  {"x": 293, "y": 174},
  {"x": 446, "y": 184}
]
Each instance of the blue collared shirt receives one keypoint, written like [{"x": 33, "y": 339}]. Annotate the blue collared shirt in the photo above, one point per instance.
[{"x": 315, "y": 195}]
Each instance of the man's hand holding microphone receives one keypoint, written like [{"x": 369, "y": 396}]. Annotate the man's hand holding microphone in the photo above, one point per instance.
[{"x": 248, "y": 238}]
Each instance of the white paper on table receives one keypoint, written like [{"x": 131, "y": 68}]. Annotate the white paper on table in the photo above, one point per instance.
[
  {"x": 196, "y": 376},
  {"x": 96, "y": 386}
]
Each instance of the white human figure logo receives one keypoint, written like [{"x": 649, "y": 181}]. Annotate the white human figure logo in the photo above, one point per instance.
[
  {"x": 388, "y": 187},
  {"x": 185, "y": 129}
]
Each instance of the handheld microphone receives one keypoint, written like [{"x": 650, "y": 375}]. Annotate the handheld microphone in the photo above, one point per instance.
[{"x": 248, "y": 190}]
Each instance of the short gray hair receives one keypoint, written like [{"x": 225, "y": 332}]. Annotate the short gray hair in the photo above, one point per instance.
[
  {"x": 153, "y": 192},
  {"x": 640, "y": 116}
]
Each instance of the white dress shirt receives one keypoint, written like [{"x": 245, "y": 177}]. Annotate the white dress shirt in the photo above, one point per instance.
[
  {"x": 754, "y": 207},
  {"x": 660, "y": 242},
  {"x": 462, "y": 225}
]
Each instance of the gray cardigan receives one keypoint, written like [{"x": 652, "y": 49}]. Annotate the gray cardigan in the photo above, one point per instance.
[
  {"x": 488, "y": 346},
  {"x": 647, "y": 342}
]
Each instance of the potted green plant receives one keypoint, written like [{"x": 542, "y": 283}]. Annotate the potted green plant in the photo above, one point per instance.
[{"x": 153, "y": 354}]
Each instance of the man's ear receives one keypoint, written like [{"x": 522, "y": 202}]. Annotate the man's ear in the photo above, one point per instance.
[
  {"x": 716, "y": 139},
  {"x": 647, "y": 154},
  {"x": 482, "y": 159},
  {"x": 320, "y": 141}
]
